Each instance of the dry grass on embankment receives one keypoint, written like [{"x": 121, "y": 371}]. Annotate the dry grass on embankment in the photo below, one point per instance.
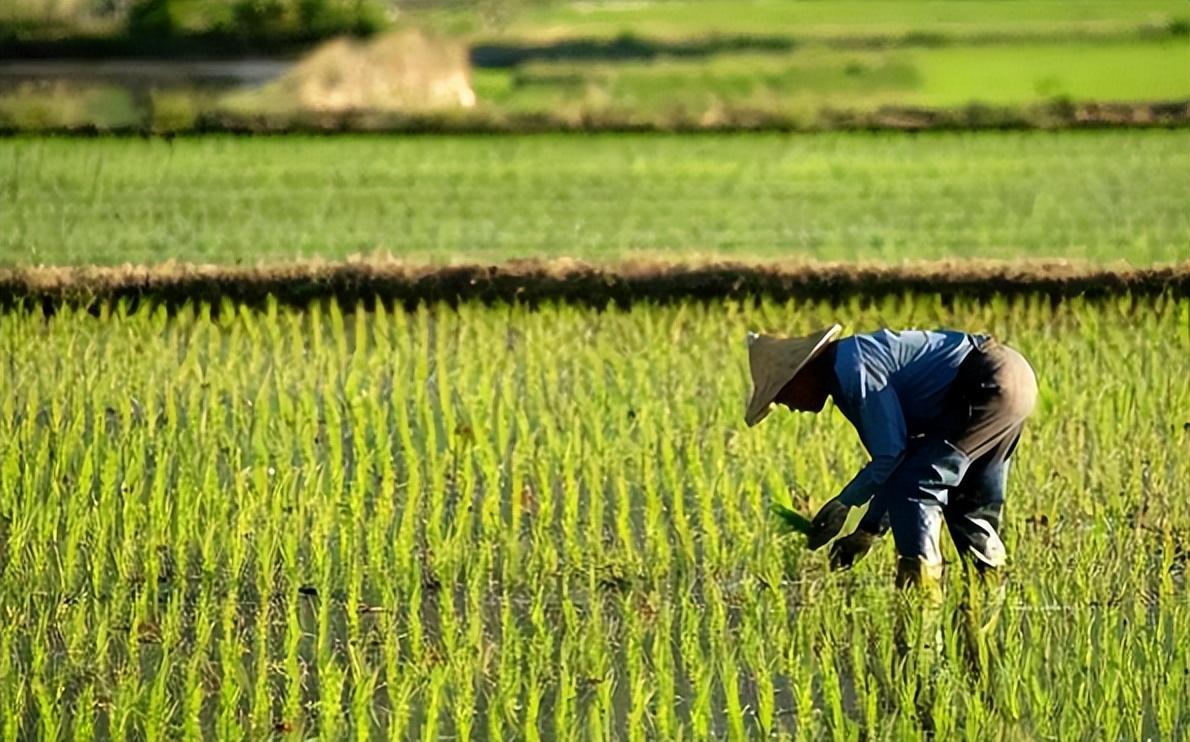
[
  {"x": 1050, "y": 116},
  {"x": 597, "y": 285}
]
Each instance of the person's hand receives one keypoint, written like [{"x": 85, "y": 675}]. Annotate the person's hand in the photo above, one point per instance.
[
  {"x": 851, "y": 548},
  {"x": 826, "y": 524}
]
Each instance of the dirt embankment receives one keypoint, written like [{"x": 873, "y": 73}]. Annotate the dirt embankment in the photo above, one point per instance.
[
  {"x": 976, "y": 117},
  {"x": 1052, "y": 116},
  {"x": 534, "y": 282}
]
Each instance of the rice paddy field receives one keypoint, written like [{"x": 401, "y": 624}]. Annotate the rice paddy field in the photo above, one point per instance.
[
  {"x": 237, "y": 504},
  {"x": 938, "y": 20},
  {"x": 357, "y": 522},
  {"x": 1109, "y": 195},
  {"x": 799, "y": 85}
]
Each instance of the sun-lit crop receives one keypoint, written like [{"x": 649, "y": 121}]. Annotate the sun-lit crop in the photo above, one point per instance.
[
  {"x": 501, "y": 524},
  {"x": 1101, "y": 195}
]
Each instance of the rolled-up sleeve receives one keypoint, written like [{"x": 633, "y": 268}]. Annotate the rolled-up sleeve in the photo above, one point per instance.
[{"x": 876, "y": 413}]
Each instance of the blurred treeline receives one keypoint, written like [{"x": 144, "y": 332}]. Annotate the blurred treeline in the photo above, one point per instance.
[{"x": 56, "y": 27}]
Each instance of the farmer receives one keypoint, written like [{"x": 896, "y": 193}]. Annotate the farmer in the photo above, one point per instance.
[{"x": 938, "y": 412}]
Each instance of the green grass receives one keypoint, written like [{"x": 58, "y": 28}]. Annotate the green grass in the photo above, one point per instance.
[
  {"x": 802, "y": 83},
  {"x": 837, "y": 19},
  {"x": 1089, "y": 195},
  {"x": 502, "y": 524},
  {"x": 1012, "y": 75}
]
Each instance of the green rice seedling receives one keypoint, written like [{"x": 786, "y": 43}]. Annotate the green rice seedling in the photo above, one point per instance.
[
  {"x": 832, "y": 690},
  {"x": 664, "y": 673},
  {"x": 790, "y": 519},
  {"x": 698, "y": 672},
  {"x": 540, "y": 670},
  {"x": 48, "y": 701},
  {"x": 195, "y": 698},
  {"x": 728, "y": 671},
  {"x": 14, "y": 710},
  {"x": 363, "y": 690},
  {"x": 158, "y": 719},
  {"x": 435, "y": 702},
  {"x": 756, "y": 653},
  {"x": 233, "y": 680},
  {"x": 567, "y": 720},
  {"x": 798, "y": 655}
]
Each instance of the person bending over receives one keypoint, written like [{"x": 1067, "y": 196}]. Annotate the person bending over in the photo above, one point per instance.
[{"x": 939, "y": 412}]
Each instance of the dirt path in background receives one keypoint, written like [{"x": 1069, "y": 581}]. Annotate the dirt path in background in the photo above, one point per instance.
[
  {"x": 597, "y": 285},
  {"x": 227, "y": 72}
]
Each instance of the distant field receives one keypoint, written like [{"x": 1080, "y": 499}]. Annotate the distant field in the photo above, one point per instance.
[
  {"x": 681, "y": 65},
  {"x": 835, "y": 18},
  {"x": 801, "y": 83},
  {"x": 1100, "y": 196},
  {"x": 701, "y": 62}
]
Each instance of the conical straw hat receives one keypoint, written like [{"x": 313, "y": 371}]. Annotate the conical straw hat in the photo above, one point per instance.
[{"x": 776, "y": 360}]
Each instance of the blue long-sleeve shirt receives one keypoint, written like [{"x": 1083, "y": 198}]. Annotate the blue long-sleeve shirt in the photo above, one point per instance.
[{"x": 890, "y": 385}]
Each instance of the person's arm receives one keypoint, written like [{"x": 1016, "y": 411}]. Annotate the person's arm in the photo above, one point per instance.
[
  {"x": 873, "y": 407},
  {"x": 881, "y": 426}
]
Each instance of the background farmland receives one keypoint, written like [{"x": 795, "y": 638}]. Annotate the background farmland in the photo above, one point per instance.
[
  {"x": 1095, "y": 195},
  {"x": 235, "y": 64},
  {"x": 426, "y": 424}
]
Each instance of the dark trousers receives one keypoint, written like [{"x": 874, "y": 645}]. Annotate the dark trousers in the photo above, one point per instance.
[{"x": 957, "y": 470}]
